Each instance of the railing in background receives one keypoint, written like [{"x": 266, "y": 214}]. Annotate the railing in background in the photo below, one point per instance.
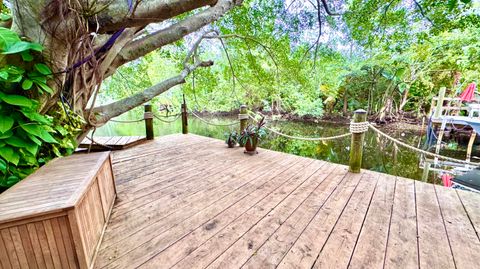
[{"x": 358, "y": 127}]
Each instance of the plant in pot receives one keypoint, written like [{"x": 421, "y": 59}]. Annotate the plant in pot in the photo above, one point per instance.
[
  {"x": 251, "y": 135},
  {"x": 231, "y": 139}
]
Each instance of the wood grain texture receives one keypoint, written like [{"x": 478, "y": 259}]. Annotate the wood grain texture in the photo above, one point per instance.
[
  {"x": 105, "y": 143},
  {"x": 187, "y": 201},
  {"x": 39, "y": 227}
]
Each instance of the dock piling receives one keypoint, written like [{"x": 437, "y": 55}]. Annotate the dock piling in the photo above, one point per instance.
[
  {"x": 243, "y": 117},
  {"x": 184, "y": 117},
  {"x": 148, "y": 116},
  {"x": 356, "y": 147}
]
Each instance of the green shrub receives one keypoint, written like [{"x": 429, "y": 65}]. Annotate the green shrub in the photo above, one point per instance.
[{"x": 28, "y": 139}]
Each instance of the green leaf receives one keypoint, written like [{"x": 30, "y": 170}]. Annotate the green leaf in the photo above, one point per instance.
[
  {"x": 34, "y": 139},
  {"x": 16, "y": 100},
  {"x": 32, "y": 148},
  {"x": 43, "y": 69},
  {"x": 26, "y": 56},
  {"x": 18, "y": 47},
  {"x": 7, "y": 38},
  {"x": 4, "y": 74},
  {"x": 44, "y": 87},
  {"x": 6, "y": 123},
  {"x": 5, "y": 17},
  {"x": 27, "y": 84},
  {"x": 16, "y": 142},
  {"x": 34, "y": 116},
  {"x": 3, "y": 166},
  {"x": 12, "y": 180},
  {"x": 7, "y": 134},
  {"x": 38, "y": 131},
  {"x": 452, "y": 4},
  {"x": 10, "y": 155}
]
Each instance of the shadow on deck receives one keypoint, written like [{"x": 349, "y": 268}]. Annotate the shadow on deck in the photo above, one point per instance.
[{"x": 187, "y": 201}]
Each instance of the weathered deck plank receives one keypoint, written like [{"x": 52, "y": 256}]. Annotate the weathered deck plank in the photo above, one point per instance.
[
  {"x": 186, "y": 201},
  {"x": 105, "y": 143}
]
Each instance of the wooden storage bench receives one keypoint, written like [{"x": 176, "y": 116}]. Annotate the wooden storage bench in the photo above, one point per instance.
[{"x": 55, "y": 217}]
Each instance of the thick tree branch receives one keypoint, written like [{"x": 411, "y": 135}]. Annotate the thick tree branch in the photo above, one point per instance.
[
  {"x": 104, "y": 113},
  {"x": 175, "y": 32},
  {"x": 117, "y": 13}
]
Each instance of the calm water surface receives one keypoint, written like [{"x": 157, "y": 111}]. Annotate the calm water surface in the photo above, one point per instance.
[{"x": 379, "y": 154}]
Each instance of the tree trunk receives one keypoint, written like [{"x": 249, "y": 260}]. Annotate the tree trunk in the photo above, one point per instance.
[{"x": 85, "y": 43}]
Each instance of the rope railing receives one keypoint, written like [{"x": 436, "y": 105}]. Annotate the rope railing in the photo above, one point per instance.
[
  {"x": 211, "y": 123},
  {"x": 302, "y": 138},
  {"x": 362, "y": 127},
  {"x": 427, "y": 153},
  {"x": 158, "y": 117},
  {"x": 127, "y": 121}
]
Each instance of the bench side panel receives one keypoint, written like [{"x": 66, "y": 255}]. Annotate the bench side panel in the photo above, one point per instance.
[
  {"x": 46, "y": 243},
  {"x": 90, "y": 215}
]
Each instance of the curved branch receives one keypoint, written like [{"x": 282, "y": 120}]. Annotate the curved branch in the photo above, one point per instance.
[
  {"x": 327, "y": 9},
  {"x": 417, "y": 4},
  {"x": 117, "y": 13},
  {"x": 104, "y": 113},
  {"x": 175, "y": 32}
]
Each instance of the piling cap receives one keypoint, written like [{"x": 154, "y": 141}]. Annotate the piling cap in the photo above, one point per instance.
[
  {"x": 360, "y": 111},
  {"x": 243, "y": 106}
]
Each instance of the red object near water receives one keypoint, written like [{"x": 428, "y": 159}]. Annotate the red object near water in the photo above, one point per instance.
[
  {"x": 469, "y": 93},
  {"x": 447, "y": 180}
]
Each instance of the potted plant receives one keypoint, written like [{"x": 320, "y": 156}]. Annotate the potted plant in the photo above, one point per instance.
[
  {"x": 251, "y": 135},
  {"x": 231, "y": 139}
]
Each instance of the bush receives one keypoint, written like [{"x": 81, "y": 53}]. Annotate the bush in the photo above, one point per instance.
[{"x": 28, "y": 139}]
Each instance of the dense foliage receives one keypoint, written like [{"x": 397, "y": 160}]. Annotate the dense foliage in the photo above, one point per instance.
[
  {"x": 28, "y": 139},
  {"x": 389, "y": 57}
]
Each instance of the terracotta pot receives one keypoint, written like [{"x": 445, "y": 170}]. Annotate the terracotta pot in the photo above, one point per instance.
[{"x": 251, "y": 147}]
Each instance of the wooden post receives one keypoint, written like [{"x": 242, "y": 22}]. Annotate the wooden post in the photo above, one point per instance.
[
  {"x": 470, "y": 145},
  {"x": 148, "y": 116},
  {"x": 184, "y": 117},
  {"x": 441, "y": 96},
  {"x": 356, "y": 147},
  {"x": 426, "y": 171},
  {"x": 243, "y": 117}
]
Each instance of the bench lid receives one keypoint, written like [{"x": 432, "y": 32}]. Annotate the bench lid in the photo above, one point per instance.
[{"x": 55, "y": 187}]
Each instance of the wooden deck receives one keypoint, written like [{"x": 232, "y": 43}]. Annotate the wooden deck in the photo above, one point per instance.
[
  {"x": 102, "y": 143},
  {"x": 186, "y": 201}
]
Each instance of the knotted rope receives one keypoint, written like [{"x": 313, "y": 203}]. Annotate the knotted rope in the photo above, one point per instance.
[{"x": 359, "y": 127}]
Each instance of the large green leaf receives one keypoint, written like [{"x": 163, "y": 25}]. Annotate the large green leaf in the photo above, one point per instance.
[
  {"x": 22, "y": 46},
  {"x": 38, "y": 131},
  {"x": 17, "y": 142},
  {"x": 43, "y": 69},
  {"x": 10, "y": 155},
  {"x": 16, "y": 100},
  {"x": 32, "y": 148},
  {"x": 34, "y": 116},
  {"x": 7, "y": 38},
  {"x": 6, "y": 123},
  {"x": 3, "y": 165},
  {"x": 27, "y": 84},
  {"x": 7, "y": 134}
]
